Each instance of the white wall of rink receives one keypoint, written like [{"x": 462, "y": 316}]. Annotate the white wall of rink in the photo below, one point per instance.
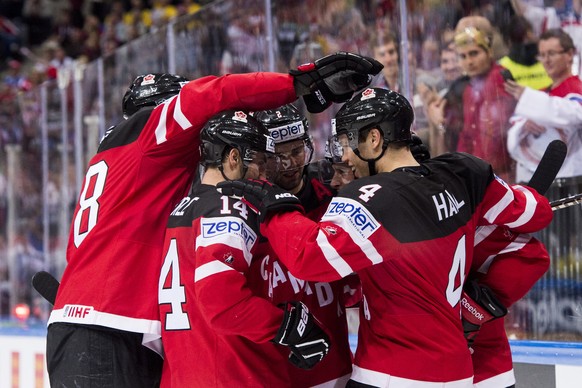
[
  {"x": 538, "y": 364},
  {"x": 22, "y": 362}
]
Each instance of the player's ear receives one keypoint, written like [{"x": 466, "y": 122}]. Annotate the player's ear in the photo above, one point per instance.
[
  {"x": 376, "y": 138},
  {"x": 232, "y": 161}
]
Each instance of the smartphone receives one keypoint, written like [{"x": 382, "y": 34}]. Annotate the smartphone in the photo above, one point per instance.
[{"x": 506, "y": 74}]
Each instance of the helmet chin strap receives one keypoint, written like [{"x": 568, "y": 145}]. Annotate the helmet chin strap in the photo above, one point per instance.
[{"x": 371, "y": 162}]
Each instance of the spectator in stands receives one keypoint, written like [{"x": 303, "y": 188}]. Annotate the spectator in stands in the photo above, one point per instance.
[
  {"x": 522, "y": 59},
  {"x": 163, "y": 11},
  {"x": 37, "y": 17},
  {"x": 384, "y": 45},
  {"x": 138, "y": 16},
  {"x": 476, "y": 115},
  {"x": 434, "y": 100},
  {"x": 542, "y": 116}
]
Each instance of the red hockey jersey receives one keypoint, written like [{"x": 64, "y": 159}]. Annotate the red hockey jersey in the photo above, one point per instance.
[
  {"x": 215, "y": 331},
  {"x": 409, "y": 235},
  {"x": 142, "y": 168},
  {"x": 326, "y": 301},
  {"x": 509, "y": 263}
]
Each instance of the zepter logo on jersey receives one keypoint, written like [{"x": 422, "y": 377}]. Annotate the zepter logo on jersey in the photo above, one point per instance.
[
  {"x": 352, "y": 216},
  {"x": 288, "y": 132},
  {"x": 226, "y": 230}
]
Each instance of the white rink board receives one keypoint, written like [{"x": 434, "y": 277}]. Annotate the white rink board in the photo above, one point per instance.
[{"x": 22, "y": 362}]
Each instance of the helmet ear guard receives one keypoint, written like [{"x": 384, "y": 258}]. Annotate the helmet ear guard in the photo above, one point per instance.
[{"x": 151, "y": 90}]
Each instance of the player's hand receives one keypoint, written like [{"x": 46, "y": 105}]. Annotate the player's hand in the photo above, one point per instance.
[
  {"x": 419, "y": 150},
  {"x": 261, "y": 196},
  {"x": 478, "y": 305},
  {"x": 301, "y": 332},
  {"x": 333, "y": 78}
]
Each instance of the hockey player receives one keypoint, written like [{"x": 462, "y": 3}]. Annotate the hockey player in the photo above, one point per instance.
[
  {"x": 506, "y": 262},
  {"x": 408, "y": 230},
  {"x": 510, "y": 264},
  {"x": 505, "y": 267},
  {"x": 144, "y": 165},
  {"x": 327, "y": 301},
  {"x": 342, "y": 173},
  {"x": 216, "y": 332}
]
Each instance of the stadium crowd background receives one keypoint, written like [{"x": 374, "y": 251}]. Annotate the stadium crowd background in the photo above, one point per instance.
[{"x": 66, "y": 64}]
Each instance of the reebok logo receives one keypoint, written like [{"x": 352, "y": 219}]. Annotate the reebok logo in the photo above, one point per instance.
[{"x": 470, "y": 308}]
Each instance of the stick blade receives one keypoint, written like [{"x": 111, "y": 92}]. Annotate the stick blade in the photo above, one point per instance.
[
  {"x": 46, "y": 285},
  {"x": 549, "y": 166}
]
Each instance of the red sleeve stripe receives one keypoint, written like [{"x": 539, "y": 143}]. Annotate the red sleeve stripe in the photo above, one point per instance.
[
  {"x": 356, "y": 235},
  {"x": 229, "y": 240},
  {"x": 209, "y": 269},
  {"x": 482, "y": 233},
  {"x": 500, "y": 206},
  {"x": 161, "y": 130},
  {"x": 332, "y": 256},
  {"x": 514, "y": 246},
  {"x": 179, "y": 115},
  {"x": 530, "y": 208}
]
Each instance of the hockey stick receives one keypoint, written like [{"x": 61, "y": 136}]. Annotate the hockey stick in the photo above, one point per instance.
[
  {"x": 46, "y": 285},
  {"x": 566, "y": 202},
  {"x": 549, "y": 166}
]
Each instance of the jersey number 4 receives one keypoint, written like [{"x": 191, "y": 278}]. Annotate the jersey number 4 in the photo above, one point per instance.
[{"x": 175, "y": 295}]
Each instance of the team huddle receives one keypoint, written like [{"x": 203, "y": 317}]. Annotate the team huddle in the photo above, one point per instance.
[{"x": 241, "y": 276}]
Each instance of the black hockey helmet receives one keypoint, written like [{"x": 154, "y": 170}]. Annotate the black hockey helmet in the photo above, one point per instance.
[
  {"x": 375, "y": 107},
  {"x": 285, "y": 124},
  {"x": 233, "y": 129},
  {"x": 151, "y": 90}
]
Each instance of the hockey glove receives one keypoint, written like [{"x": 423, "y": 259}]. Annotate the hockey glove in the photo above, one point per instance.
[
  {"x": 419, "y": 150},
  {"x": 261, "y": 196},
  {"x": 301, "y": 332},
  {"x": 333, "y": 78},
  {"x": 478, "y": 305}
]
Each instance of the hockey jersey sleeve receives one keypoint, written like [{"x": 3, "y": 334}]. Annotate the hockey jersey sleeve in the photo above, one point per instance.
[
  {"x": 519, "y": 208},
  {"x": 507, "y": 262},
  {"x": 224, "y": 249},
  {"x": 174, "y": 126},
  {"x": 311, "y": 250},
  {"x": 349, "y": 238}
]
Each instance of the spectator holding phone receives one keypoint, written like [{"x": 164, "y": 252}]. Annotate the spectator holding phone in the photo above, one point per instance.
[
  {"x": 521, "y": 62},
  {"x": 555, "y": 113}
]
